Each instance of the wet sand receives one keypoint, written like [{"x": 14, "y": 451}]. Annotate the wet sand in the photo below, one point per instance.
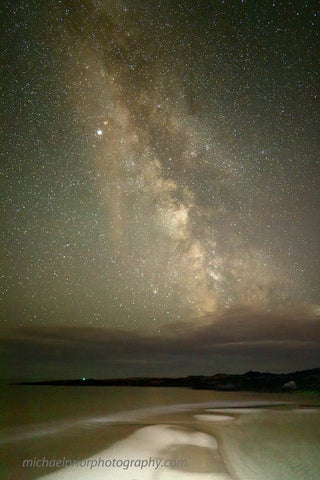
[{"x": 240, "y": 437}]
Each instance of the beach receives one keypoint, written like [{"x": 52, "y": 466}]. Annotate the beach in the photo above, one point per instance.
[{"x": 158, "y": 433}]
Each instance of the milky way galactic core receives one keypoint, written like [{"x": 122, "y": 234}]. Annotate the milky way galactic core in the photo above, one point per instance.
[{"x": 160, "y": 160}]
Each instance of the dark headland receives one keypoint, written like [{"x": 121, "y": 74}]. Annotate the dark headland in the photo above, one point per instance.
[{"x": 306, "y": 380}]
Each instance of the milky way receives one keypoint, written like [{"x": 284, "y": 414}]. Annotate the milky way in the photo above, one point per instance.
[{"x": 159, "y": 161}]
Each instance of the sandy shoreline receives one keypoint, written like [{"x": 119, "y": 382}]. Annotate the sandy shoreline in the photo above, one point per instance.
[
  {"x": 219, "y": 444},
  {"x": 221, "y": 440}
]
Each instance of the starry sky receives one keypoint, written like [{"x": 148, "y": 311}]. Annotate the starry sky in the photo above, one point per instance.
[{"x": 160, "y": 170}]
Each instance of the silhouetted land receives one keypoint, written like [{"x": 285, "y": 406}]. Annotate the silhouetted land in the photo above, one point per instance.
[{"x": 306, "y": 380}]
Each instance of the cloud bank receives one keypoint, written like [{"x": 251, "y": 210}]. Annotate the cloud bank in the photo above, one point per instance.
[{"x": 233, "y": 342}]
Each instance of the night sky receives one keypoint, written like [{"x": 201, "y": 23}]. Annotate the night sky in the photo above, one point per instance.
[{"x": 160, "y": 183}]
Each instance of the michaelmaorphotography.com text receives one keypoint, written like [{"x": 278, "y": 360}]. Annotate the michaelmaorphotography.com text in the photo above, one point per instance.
[{"x": 123, "y": 463}]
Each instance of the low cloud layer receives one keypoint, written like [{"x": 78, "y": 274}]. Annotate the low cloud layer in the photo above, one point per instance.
[{"x": 233, "y": 342}]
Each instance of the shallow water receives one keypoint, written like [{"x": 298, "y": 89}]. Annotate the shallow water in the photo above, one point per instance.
[{"x": 221, "y": 435}]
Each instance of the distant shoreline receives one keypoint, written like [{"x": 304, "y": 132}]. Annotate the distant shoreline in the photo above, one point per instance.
[{"x": 306, "y": 380}]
